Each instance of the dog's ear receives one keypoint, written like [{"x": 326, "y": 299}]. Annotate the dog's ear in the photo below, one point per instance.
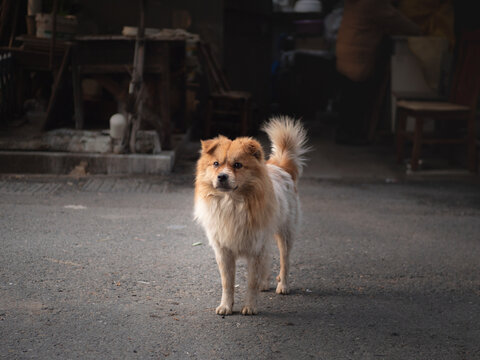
[
  {"x": 254, "y": 148},
  {"x": 209, "y": 146}
]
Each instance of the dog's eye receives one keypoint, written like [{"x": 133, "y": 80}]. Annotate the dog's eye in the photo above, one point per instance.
[
  {"x": 216, "y": 164},
  {"x": 237, "y": 165}
]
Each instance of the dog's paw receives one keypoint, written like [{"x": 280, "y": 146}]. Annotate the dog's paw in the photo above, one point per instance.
[
  {"x": 249, "y": 310},
  {"x": 265, "y": 286},
  {"x": 282, "y": 289},
  {"x": 224, "y": 310}
]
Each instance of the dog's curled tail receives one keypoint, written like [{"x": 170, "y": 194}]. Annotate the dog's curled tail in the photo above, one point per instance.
[{"x": 289, "y": 144}]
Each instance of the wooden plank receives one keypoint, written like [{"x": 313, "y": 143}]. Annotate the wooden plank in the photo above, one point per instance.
[
  {"x": 55, "y": 90},
  {"x": 31, "y": 43},
  {"x": 101, "y": 38},
  {"x": 118, "y": 69}
]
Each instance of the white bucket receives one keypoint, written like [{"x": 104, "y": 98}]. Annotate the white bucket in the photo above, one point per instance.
[{"x": 117, "y": 125}]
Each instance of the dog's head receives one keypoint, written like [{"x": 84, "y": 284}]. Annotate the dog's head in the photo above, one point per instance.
[{"x": 230, "y": 166}]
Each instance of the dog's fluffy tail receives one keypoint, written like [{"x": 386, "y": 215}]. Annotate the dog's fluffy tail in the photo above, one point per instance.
[{"x": 289, "y": 144}]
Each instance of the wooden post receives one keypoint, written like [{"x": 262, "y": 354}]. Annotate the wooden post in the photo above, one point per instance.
[
  {"x": 54, "y": 31},
  {"x": 134, "y": 115},
  {"x": 165, "y": 99},
  {"x": 77, "y": 90}
]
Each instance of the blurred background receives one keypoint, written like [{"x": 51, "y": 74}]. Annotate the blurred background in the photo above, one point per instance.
[{"x": 124, "y": 76}]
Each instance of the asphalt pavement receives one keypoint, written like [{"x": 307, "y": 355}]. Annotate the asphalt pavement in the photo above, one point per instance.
[{"x": 103, "y": 267}]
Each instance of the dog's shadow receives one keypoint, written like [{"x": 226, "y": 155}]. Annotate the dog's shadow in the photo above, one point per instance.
[{"x": 292, "y": 292}]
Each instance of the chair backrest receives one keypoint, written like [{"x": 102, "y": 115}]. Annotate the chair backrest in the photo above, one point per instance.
[
  {"x": 466, "y": 79},
  {"x": 216, "y": 78}
]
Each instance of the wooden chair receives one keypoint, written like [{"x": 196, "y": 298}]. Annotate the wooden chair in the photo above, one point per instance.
[
  {"x": 460, "y": 108},
  {"x": 222, "y": 100}
]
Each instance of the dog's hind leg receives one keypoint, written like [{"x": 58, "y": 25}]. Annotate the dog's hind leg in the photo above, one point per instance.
[
  {"x": 284, "y": 243},
  {"x": 226, "y": 266}
]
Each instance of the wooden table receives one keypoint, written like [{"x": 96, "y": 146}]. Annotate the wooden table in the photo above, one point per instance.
[{"x": 99, "y": 56}]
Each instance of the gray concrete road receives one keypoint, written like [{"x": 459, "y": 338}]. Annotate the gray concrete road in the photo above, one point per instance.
[{"x": 105, "y": 268}]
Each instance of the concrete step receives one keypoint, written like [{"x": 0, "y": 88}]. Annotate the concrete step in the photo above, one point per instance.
[
  {"x": 82, "y": 152},
  {"x": 46, "y": 162}
]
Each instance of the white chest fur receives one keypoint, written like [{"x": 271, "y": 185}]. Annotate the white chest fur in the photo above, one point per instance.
[{"x": 228, "y": 224}]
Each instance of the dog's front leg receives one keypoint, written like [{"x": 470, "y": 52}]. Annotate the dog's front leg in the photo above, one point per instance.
[
  {"x": 256, "y": 274},
  {"x": 226, "y": 266}
]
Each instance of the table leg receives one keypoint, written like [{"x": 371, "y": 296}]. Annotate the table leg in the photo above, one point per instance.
[
  {"x": 417, "y": 143},
  {"x": 165, "y": 101},
  {"x": 401, "y": 129},
  {"x": 77, "y": 91},
  {"x": 55, "y": 89}
]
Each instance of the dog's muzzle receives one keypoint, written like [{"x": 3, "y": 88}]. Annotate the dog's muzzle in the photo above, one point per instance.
[{"x": 223, "y": 183}]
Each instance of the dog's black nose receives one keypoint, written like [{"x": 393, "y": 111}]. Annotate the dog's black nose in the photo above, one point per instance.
[{"x": 222, "y": 177}]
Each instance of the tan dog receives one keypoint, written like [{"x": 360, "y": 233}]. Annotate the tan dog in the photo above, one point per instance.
[{"x": 243, "y": 202}]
